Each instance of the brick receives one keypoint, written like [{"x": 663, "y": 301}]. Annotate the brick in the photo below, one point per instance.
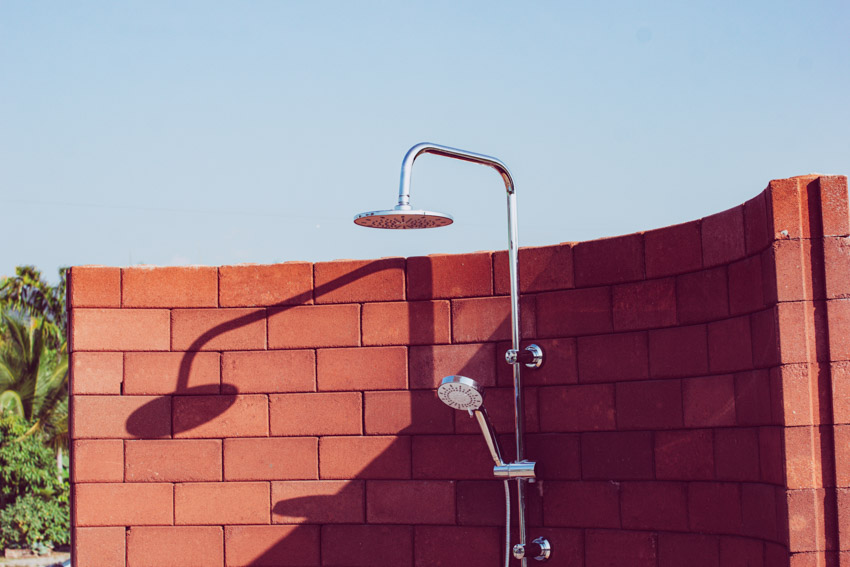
[
  {"x": 406, "y": 323},
  {"x": 836, "y": 260},
  {"x": 673, "y": 250},
  {"x": 617, "y": 455},
  {"x": 97, "y": 461},
  {"x": 741, "y": 552},
  {"x": 610, "y": 358},
  {"x": 541, "y": 268},
  {"x": 480, "y": 503},
  {"x": 805, "y": 520},
  {"x": 312, "y": 326},
  {"x": 609, "y": 260},
  {"x": 171, "y": 373},
  {"x": 211, "y": 503},
  {"x": 445, "y": 276},
  {"x": 585, "y": 407},
  {"x": 756, "y": 230},
  {"x": 189, "y": 286},
  {"x": 94, "y": 286},
  {"x": 575, "y": 312},
  {"x": 218, "y": 329},
  {"x": 806, "y": 464},
  {"x": 649, "y": 405},
  {"x": 175, "y": 546},
  {"x": 723, "y": 237},
  {"x": 560, "y": 364},
  {"x": 834, "y": 208},
  {"x": 120, "y": 417},
  {"x": 221, "y": 416},
  {"x": 838, "y": 314},
  {"x": 745, "y": 286},
  {"x": 326, "y": 413},
  {"x": 799, "y": 385},
  {"x": 581, "y": 504},
  {"x": 775, "y": 554},
  {"x": 684, "y": 455},
  {"x": 361, "y": 545},
  {"x": 709, "y": 402},
  {"x": 678, "y": 352},
  {"x": 357, "y": 281},
  {"x": 96, "y": 372},
  {"x": 730, "y": 345},
  {"x": 99, "y": 547},
  {"x": 364, "y": 457},
  {"x": 489, "y": 319},
  {"x": 451, "y": 457},
  {"x": 557, "y": 455},
  {"x": 758, "y": 507},
  {"x": 654, "y": 506},
  {"x": 715, "y": 507},
  {"x": 765, "y": 338},
  {"x": 254, "y": 285},
  {"x": 840, "y": 374},
  {"x": 430, "y": 364},
  {"x": 410, "y": 502},
  {"x": 271, "y": 459},
  {"x": 456, "y": 546},
  {"x": 702, "y": 296},
  {"x": 785, "y": 199},
  {"x": 120, "y": 329},
  {"x": 409, "y": 413},
  {"x": 610, "y": 548},
  {"x": 271, "y": 546},
  {"x": 771, "y": 455},
  {"x": 694, "y": 550},
  {"x": 644, "y": 305},
  {"x": 788, "y": 268},
  {"x": 137, "y": 504},
  {"x": 369, "y": 368},
  {"x": 752, "y": 398},
  {"x": 173, "y": 460},
  {"x": 736, "y": 455},
  {"x": 319, "y": 502},
  {"x": 802, "y": 331},
  {"x": 257, "y": 372}
]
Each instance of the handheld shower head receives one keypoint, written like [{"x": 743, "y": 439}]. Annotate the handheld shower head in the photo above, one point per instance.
[{"x": 461, "y": 393}]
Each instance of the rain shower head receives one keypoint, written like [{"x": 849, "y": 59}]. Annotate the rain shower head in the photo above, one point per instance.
[
  {"x": 461, "y": 393},
  {"x": 400, "y": 218}
]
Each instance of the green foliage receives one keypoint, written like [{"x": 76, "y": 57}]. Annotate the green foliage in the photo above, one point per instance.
[
  {"x": 33, "y": 501},
  {"x": 28, "y": 295}
]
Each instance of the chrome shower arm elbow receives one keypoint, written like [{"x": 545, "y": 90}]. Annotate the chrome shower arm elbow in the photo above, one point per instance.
[{"x": 445, "y": 151}]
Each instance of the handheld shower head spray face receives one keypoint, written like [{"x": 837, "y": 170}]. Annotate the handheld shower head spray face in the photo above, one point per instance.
[{"x": 461, "y": 393}]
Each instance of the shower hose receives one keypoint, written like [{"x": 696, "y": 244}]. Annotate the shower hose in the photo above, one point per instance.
[{"x": 507, "y": 524}]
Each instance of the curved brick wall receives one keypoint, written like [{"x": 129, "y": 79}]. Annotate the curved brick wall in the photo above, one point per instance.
[{"x": 691, "y": 410}]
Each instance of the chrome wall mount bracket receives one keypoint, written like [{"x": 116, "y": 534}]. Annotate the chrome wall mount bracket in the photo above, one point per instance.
[
  {"x": 539, "y": 549},
  {"x": 531, "y": 356}
]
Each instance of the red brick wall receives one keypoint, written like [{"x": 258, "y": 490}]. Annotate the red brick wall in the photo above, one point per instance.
[{"x": 694, "y": 408}]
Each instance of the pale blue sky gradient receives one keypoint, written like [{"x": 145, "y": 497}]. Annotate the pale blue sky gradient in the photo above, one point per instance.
[{"x": 224, "y": 132}]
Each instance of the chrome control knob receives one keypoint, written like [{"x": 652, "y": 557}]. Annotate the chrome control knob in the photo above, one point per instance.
[
  {"x": 531, "y": 356},
  {"x": 539, "y": 549}
]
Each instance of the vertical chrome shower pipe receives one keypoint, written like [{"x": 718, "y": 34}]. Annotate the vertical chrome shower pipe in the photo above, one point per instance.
[{"x": 404, "y": 202}]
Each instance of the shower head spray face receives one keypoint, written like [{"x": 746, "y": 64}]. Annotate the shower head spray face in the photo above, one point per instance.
[
  {"x": 403, "y": 219},
  {"x": 461, "y": 393}
]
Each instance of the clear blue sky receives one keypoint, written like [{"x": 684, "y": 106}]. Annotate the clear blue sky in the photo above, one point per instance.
[{"x": 223, "y": 132}]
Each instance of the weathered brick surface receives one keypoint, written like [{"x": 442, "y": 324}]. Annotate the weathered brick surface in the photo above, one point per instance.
[
  {"x": 175, "y": 546},
  {"x": 148, "y": 286},
  {"x": 692, "y": 408},
  {"x": 252, "y": 285}
]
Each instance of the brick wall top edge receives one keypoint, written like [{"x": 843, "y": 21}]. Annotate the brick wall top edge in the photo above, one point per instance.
[{"x": 809, "y": 176}]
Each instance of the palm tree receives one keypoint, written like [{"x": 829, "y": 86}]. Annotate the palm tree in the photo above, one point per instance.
[{"x": 34, "y": 381}]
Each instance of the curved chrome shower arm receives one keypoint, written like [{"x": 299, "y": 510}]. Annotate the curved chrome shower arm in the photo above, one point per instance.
[{"x": 445, "y": 151}]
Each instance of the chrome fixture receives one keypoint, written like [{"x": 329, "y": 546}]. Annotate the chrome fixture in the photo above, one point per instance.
[{"x": 461, "y": 392}]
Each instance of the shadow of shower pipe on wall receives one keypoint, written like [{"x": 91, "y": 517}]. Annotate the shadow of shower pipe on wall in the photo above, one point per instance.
[{"x": 322, "y": 512}]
